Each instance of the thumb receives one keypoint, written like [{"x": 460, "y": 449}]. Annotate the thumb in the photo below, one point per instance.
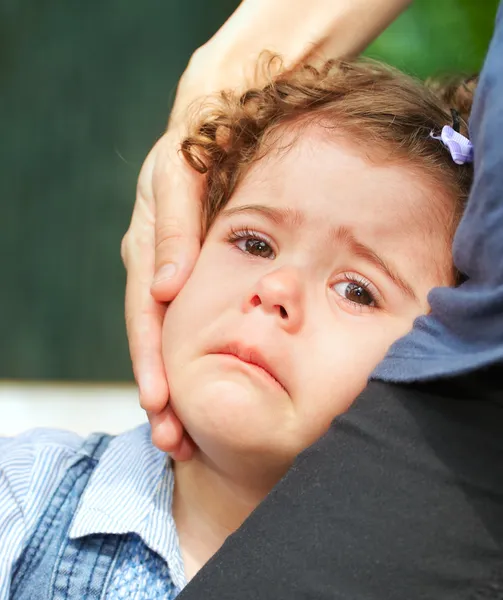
[{"x": 177, "y": 192}]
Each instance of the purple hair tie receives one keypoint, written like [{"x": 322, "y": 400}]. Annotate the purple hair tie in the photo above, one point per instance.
[{"x": 459, "y": 146}]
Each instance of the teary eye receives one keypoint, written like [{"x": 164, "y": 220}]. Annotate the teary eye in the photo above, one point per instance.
[
  {"x": 251, "y": 242},
  {"x": 256, "y": 247},
  {"x": 355, "y": 292}
]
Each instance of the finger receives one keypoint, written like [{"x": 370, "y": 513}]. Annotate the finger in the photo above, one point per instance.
[
  {"x": 178, "y": 190},
  {"x": 185, "y": 451},
  {"x": 144, "y": 316},
  {"x": 167, "y": 430}
]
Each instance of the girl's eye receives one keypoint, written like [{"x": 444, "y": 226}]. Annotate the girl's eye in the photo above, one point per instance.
[
  {"x": 356, "y": 292},
  {"x": 252, "y": 243},
  {"x": 256, "y": 246}
]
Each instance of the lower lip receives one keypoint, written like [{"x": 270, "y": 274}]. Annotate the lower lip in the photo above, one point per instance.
[{"x": 265, "y": 375}]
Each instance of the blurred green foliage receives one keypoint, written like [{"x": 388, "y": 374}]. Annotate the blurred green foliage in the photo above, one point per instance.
[
  {"x": 438, "y": 36},
  {"x": 86, "y": 88}
]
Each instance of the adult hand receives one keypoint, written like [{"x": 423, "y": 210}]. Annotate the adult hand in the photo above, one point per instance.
[{"x": 163, "y": 239}]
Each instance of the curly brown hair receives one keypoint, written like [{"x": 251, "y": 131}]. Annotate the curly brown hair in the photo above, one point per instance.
[{"x": 392, "y": 113}]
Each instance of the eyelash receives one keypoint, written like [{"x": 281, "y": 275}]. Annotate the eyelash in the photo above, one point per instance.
[
  {"x": 360, "y": 281},
  {"x": 236, "y": 235}
]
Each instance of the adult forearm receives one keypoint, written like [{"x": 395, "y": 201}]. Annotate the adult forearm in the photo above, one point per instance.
[{"x": 295, "y": 29}]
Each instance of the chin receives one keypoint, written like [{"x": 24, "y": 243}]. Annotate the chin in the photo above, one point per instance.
[{"x": 228, "y": 414}]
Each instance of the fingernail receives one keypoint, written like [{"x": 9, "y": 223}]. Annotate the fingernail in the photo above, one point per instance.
[{"x": 165, "y": 273}]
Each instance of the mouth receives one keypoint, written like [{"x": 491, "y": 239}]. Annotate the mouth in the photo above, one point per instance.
[{"x": 254, "y": 359}]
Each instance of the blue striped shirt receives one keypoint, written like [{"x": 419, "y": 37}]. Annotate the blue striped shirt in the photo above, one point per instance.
[{"x": 130, "y": 491}]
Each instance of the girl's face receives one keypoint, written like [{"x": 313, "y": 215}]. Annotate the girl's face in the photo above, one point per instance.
[{"x": 318, "y": 263}]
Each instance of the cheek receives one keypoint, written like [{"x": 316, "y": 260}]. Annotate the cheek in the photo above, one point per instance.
[
  {"x": 344, "y": 361},
  {"x": 212, "y": 292},
  {"x": 186, "y": 316},
  {"x": 186, "y": 329}
]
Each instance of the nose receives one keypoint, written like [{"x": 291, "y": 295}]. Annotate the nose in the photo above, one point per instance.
[{"x": 280, "y": 294}]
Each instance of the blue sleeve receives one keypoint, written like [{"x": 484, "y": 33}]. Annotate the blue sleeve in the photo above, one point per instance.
[
  {"x": 31, "y": 466},
  {"x": 464, "y": 330}
]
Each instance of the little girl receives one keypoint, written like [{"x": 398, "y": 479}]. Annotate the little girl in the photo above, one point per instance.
[{"x": 332, "y": 198}]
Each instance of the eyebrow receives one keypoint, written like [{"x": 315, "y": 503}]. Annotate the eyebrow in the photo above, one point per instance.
[
  {"x": 279, "y": 216},
  {"x": 295, "y": 218},
  {"x": 345, "y": 236}
]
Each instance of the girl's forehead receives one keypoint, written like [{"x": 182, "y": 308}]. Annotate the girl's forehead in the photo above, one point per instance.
[{"x": 323, "y": 176}]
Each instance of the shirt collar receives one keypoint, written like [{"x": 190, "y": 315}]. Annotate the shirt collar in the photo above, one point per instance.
[{"x": 131, "y": 491}]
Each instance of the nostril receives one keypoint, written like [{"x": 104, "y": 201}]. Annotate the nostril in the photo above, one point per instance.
[
  {"x": 255, "y": 301},
  {"x": 283, "y": 312}
]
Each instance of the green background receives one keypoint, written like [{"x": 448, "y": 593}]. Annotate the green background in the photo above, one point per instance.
[{"x": 85, "y": 91}]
